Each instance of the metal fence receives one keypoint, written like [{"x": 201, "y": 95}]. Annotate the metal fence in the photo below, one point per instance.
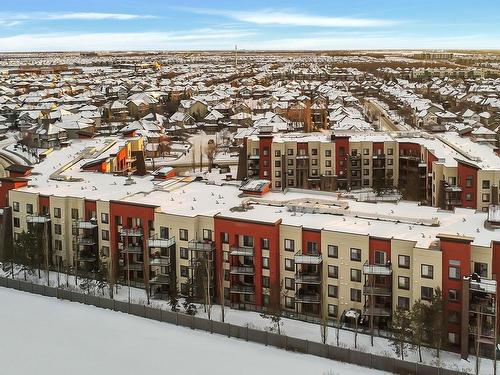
[{"x": 240, "y": 332}]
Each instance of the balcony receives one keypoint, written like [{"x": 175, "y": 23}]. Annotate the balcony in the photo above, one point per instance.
[
  {"x": 241, "y": 251},
  {"x": 132, "y": 249},
  {"x": 131, "y": 232},
  {"x": 161, "y": 242},
  {"x": 377, "y": 269},
  {"x": 312, "y": 298},
  {"x": 160, "y": 280},
  {"x": 36, "y": 219},
  {"x": 484, "y": 285},
  {"x": 307, "y": 278},
  {"x": 302, "y": 157},
  {"x": 160, "y": 262},
  {"x": 242, "y": 270},
  {"x": 86, "y": 257},
  {"x": 130, "y": 159},
  {"x": 307, "y": 258},
  {"x": 130, "y": 266},
  {"x": 242, "y": 289},
  {"x": 378, "y": 156},
  {"x": 377, "y": 311},
  {"x": 377, "y": 290},
  {"x": 86, "y": 241},
  {"x": 196, "y": 245},
  {"x": 254, "y": 157},
  {"x": 86, "y": 225}
]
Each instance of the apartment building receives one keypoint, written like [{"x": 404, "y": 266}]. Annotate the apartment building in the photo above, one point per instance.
[
  {"x": 445, "y": 171},
  {"x": 311, "y": 253}
]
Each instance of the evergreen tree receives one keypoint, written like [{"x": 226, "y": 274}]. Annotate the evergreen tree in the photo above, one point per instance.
[
  {"x": 401, "y": 332},
  {"x": 173, "y": 298}
]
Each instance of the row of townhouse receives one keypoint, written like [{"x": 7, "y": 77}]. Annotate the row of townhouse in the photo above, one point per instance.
[
  {"x": 311, "y": 253},
  {"x": 445, "y": 171}
]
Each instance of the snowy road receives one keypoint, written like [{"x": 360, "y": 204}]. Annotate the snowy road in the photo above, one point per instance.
[{"x": 46, "y": 336}]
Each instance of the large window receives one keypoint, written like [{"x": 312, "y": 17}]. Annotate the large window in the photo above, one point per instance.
[
  {"x": 454, "y": 272},
  {"x": 404, "y": 261},
  {"x": 356, "y": 255},
  {"x": 183, "y": 234},
  {"x": 481, "y": 269},
  {"x": 289, "y": 283},
  {"x": 355, "y": 295},
  {"x": 57, "y": 212},
  {"x": 333, "y": 251},
  {"x": 289, "y": 264},
  {"x": 403, "y": 282},
  {"x": 427, "y": 271},
  {"x": 355, "y": 275},
  {"x": 104, "y": 218},
  {"x": 333, "y": 291},
  {"x": 380, "y": 257},
  {"x": 426, "y": 293},
  {"x": 333, "y": 272},
  {"x": 404, "y": 303},
  {"x": 29, "y": 208},
  {"x": 312, "y": 248}
]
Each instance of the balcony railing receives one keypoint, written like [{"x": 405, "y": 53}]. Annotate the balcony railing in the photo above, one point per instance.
[
  {"x": 86, "y": 225},
  {"x": 132, "y": 266},
  {"x": 377, "y": 290},
  {"x": 161, "y": 242},
  {"x": 196, "y": 245},
  {"x": 86, "y": 257},
  {"x": 484, "y": 285},
  {"x": 162, "y": 262},
  {"x": 242, "y": 289},
  {"x": 307, "y": 278},
  {"x": 131, "y": 232},
  {"x": 85, "y": 241},
  {"x": 242, "y": 270},
  {"x": 377, "y": 311},
  {"x": 160, "y": 280},
  {"x": 377, "y": 269},
  {"x": 37, "y": 218},
  {"x": 308, "y": 298},
  {"x": 132, "y": 249},
  {"x": 241, "y": 251},
  {"x": 307, "y": 258}
]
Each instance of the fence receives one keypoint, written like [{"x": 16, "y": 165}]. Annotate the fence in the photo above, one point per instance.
[{"x": 240, "y": 332}]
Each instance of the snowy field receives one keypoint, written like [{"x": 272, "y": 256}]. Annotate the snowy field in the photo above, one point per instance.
[{"x": 46, "y": 336}]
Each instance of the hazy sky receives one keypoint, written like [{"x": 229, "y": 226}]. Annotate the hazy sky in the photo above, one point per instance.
[{"x": 27, "y": 25}]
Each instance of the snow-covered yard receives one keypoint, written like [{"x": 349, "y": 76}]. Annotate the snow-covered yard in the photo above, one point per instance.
[{"x": 46, "y": 336}]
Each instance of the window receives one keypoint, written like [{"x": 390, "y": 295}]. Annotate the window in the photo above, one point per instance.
[
  {"x": 29, "y": 208},
  {"x": 289, "y": 303},
  {"x": 426, "y": 293},
  {"x": 183, "y": 234},
  {"x": 481, "y": 269},
  {"x": 265, "y": 281},
  {"x": 312, "y": 248},
  {"x": 333, "y": 272},
  {"x": 183, "y": 253},
  {"x": 468, "y": 196},
  {"x": 333, "y": 291},
  {"x": 289, "y": 151},
  {"x": 118, "y": 220},
  {"x": 469, "y": 181},
  {"x": 314, "y": 162},
  {"x": 427, "y": 271},
  {"x": 277, "y": 164},
  {"x": 333, "y": 251},
  {"x": 277, "y": 184},
  {"x": 328, "y": 153},
  {"x": 289, "y": 283},
  {"x": 277, "y": 153},
  {"x": 184, "y": 271},
  {"x": 265, "y": 263},
  {"x": 224, "y": 237},
  {"x": 355, "y": 275},
  {"x": 264, "y": 243},
  {"x": 265, "y": 299},
  {"x": 389, "y": 151},
  {"x": 404, "y": 303},
  {"x": 17, "y": 222},
  {"x": 366, "y": 151},
  {"x": 366, "y": 162},
  {"x": 265, "y": 151},
  {"x": 15, "y": 206},
  {"x": 486, "y": 184},
  {"x": 207, "y": 235},
  {"x": 164, "y": 232},
  {"x": 454, "y": 272},
  {"x": 105, "y": 251},
  {"x": 289, "y": 264},
  {"x": 355, "y": 295},
  {"x": 58, "y": 244},
  {"x": 314, "y": 151},
  {"x": 289, "y": 245},
  {"x": 277, "y": 174},
  {"x": 403, "y": 282},
  {"x": 104, "y": 218},
  {"x": 74, "y": 213},
  {"x": 289, "y": 162},
  {"x": 453, "y": 295},
  {"x": 105, "y": 235},
  {"x": 57, "y": 212},
  {"x": 404, "y": 261},
  {"x": 380, "y": 257},
  {"x": 333, "y": 310},
  {"x": 485, "y": 197},
  {"x": 356, "y": 255},
  {"x": 248, "y": 241}
]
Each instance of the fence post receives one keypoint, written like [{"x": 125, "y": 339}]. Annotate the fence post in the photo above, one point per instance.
[
  {"x": 286, "y": 342},
  {"x": 267, "y": 337},
  {"x": 211, "y": 326},
  {"x": 247, "y": 333},
  {"x": 176, "y": 318}
]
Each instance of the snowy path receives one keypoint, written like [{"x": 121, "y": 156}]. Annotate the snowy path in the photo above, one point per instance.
[{"x": 46, "y": 336}]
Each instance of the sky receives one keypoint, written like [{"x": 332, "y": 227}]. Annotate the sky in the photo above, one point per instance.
[{"x": 87, "y": 25}]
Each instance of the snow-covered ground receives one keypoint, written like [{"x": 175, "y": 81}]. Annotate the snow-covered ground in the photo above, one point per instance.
[
  {"x": 292, "y": 328},
  {"x": 45, "y": 336}
]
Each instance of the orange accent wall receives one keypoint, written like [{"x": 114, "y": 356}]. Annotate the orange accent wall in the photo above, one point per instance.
[
  {"x": 263, "y": 143},
  {"x": 5, "y": 186},
  {"x": 310, "y": 236},
  {"x": 379, "y": 244},
  {"x": 463, "y": 171}
]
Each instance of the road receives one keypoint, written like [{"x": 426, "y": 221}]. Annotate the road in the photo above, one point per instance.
[{"x": 386, "y": 124}]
